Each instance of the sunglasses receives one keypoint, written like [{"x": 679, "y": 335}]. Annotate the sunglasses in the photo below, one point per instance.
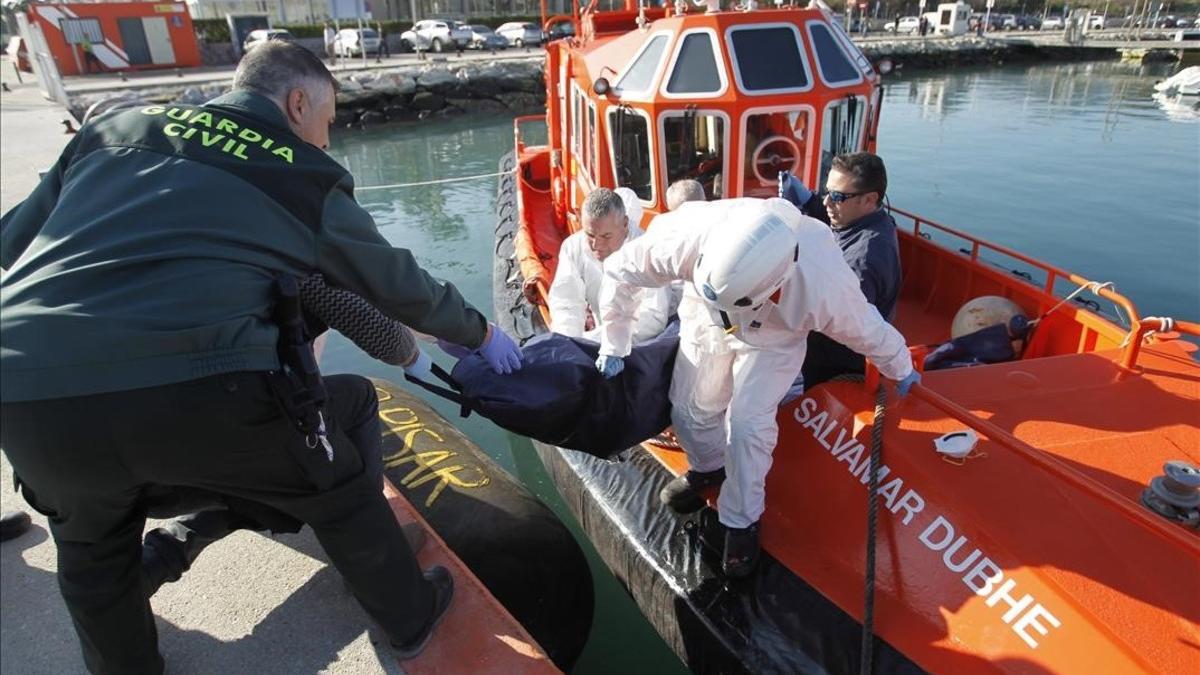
[{"x": 839, "y": 197}]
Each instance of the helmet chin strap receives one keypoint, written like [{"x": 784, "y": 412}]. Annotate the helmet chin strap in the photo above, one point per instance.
[{"x": 730, "y": 327}]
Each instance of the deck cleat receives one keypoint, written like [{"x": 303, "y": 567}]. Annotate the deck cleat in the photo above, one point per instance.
[{"x": 1176, "y": 493}]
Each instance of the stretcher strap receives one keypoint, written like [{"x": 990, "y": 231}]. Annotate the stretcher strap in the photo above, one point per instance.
[{"x": 452, "y": 394}]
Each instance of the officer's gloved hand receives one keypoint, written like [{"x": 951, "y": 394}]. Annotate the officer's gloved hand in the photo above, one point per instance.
[
  {"x": 903, "y": 386},
  {"x": 421, "y": 367},
  {"x": 499, "y": 350},
  {"x": 793, "y": 189},
  {"x": 456, "y": 351},
  {"x": 609, "y": 366}
]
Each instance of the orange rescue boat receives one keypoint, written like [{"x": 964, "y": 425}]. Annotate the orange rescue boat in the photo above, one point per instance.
[{"x": 1047, "y": 549}]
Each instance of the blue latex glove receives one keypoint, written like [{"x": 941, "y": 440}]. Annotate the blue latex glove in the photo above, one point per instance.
[
  {"x": 793, "y": 189},
  {"x": 907, "y": 383},
  {"x": 499, "y": 350},
  {"x": 609, "y": 366},
  {"x": 421, "y": 367}
]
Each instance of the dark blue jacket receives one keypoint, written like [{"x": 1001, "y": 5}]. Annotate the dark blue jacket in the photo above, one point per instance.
[{"x": 870, "y": 247}]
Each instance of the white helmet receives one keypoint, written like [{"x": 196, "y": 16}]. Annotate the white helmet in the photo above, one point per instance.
[{"x": 744, "y": 262}]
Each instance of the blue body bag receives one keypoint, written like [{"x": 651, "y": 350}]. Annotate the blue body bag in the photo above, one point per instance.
[{"x": 558, "y": 396}]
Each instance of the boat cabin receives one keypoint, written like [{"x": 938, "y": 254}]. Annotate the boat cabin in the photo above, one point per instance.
[{"x": 649, "y": 96}]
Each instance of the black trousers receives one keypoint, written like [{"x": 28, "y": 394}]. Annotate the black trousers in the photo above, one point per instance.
[{"x": 88, "y": 463}]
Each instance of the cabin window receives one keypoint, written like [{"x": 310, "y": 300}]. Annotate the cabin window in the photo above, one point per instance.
[
  {"x": 835, "y": 67},
  {"x": 640, "y": 75},
  {"x": 848, "y": 47},
  {"x": 695, "y": 70},
  {"x": 841, "y": 131},
  {"x": 773, "y": 142},
  {"x": 593, "y": 130},
  {"x": 576, "y": 123},
  {"x": 768, "y": 60},
  {"x": 694, "y": 147},
  {"x": 630, "y": 134}
]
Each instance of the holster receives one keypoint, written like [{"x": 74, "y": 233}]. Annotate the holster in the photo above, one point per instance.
[{"x": 298, "y": 384}]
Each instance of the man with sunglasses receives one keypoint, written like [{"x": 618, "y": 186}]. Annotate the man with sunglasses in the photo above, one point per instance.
[{"x": 852, "y": 207}]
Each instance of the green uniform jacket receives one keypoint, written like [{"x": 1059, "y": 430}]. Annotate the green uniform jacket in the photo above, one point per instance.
[{"x": 148, "y": 254}]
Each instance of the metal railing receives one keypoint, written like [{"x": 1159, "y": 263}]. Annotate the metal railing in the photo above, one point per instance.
[{"x": 1053, "y": 275}]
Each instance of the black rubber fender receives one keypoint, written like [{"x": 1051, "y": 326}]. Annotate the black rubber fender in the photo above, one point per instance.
[{"x": 508, "y": 538}]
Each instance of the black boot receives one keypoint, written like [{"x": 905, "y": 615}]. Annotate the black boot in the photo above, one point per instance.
[
  {"x": 443, "y": 593},
  {"x": 169, "y": 551},
  {"x": 742, "y": 550},
  {"x": 14, "y": 524},
  {"x": 683, "y": 493}
]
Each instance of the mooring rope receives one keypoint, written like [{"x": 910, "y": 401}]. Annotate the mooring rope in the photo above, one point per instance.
[
  {"x": 438, "y": 181},
  {"x": 1094, "y": 286},
  {"x": 867, "y": 651}
]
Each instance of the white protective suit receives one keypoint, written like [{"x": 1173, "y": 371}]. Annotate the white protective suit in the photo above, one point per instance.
[
  {"x": 726, "y": 387},
  {"x": 576, "y": 289}
]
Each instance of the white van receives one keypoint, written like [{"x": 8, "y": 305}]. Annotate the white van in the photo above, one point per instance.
[{"x": 949, "y": 18}]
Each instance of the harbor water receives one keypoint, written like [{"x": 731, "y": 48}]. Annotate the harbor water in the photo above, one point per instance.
[{"x": 1076, "y": 165}]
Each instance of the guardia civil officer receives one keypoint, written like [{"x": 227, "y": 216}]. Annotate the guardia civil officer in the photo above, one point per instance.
[{"x": 139, "y": 350}]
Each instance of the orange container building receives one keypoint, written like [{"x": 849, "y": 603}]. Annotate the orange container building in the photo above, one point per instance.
[{"x": 112, "y": 36}]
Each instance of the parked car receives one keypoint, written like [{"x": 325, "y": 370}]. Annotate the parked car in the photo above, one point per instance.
[
  {"x": 437, "y": 35},
  {"x": 257, "y": 37},
  {"x": 1053, "y": 23},
  {"x": 351, "y": 42},
  {"x": 521, "y": 33},
  {"x": 908, "y": 24},
  {"x": 483, "y": 37},
  {"x": 1029, "y": 22},
  {"x": 560, "y": 30},
  {"x": 1008, "y": 21}
]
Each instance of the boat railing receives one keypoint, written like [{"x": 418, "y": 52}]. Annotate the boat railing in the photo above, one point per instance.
[
  {"x": 1052, "y": 274},
  {"x": 517, "y": 124},
  {"x": 1138, "y": 328}
]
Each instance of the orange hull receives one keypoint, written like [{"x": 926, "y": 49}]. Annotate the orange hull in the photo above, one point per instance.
[
  {"x": 1035, "y": 555},
  {"x": 478, "y": 635}
]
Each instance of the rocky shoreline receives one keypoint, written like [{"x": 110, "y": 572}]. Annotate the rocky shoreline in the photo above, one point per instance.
[{"x": 515, "y": 86}]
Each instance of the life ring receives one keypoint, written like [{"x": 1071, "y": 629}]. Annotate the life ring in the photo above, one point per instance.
[{"x": 779, "y": 153}]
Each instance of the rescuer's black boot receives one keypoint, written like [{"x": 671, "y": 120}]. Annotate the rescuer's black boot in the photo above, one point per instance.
[
  {"x": 683, "y": 493},
  {"x": 742, "y": 550}
]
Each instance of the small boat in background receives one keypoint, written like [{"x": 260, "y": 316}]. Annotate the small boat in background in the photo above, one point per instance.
[{"x": 1184, "y": 83}]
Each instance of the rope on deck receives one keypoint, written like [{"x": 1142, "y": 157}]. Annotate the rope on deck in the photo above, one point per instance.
[
  {"x": 867, "y": 651},
  {"x": 438, "y": 181}
]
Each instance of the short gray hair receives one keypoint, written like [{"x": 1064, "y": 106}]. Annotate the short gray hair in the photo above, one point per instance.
[
  {"x": 686, "y": 190},
  {"x": 276, "y": 67},
  {"x": 601, "y": 203}
]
